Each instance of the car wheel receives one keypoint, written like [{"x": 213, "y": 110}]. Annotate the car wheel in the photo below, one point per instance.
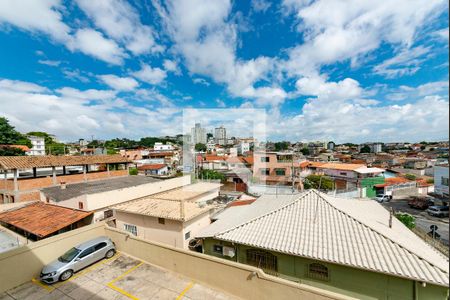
[
  {"x": 66, "y": 275},
  {"x": 110, "y": 253}
]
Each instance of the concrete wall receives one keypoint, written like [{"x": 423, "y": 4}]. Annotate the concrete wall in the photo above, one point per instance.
[
  {"x": 353, "y": 282},
  {"x": 194, "y": 226},
  {"x": 170, "y": 233},
  {"x": 439, "y": 173},
  {"x": 22, "y": 264},
  {"x": 240, "y": 280}
]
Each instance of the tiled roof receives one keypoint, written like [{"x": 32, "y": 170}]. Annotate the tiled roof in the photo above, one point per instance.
[
  {"x": 354, "y": 233},
  {"x": 152, "y": 167},
  {"x": 26, "y": 162},
  {"x": 42, "y": 219},
  {"x": 214, "y": 157},
  {"x": 22, "y": 147},
  {"x": 341, "y": 166},
  {"x": 248, "y": 159}
]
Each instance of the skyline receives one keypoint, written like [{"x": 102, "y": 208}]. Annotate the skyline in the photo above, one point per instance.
[{"x": 321, "y": 70}]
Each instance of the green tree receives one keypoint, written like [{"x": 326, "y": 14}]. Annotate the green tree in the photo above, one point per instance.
[
  {"x": 211, "y": 174},
  {"x": 209, "y": 135},
  {"x": 314, "y": 181},
  {"x": 51, "y": 146},
  {"x": 410, "y": 176},
  {"x": 11, "y": 151},
  {"x": 133, "y": 171},
  {"x": 408, "y": 220},
  {"x": 10, "y": 136},
  {"x": 280, "y": 146},
  {"x": 305, "y": 151},
  {"x": 200, "y": 147},
  {"x": 365, "y": 149}
]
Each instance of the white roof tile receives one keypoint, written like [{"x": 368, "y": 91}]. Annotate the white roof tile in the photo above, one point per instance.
[{"x": 344, "y": 231}]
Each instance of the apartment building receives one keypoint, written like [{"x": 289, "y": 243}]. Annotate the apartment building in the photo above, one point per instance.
[
  {"x": 441, "y": 180},
  {"x": 275, "y": 167},
  {"x": 38, "y": 145}
]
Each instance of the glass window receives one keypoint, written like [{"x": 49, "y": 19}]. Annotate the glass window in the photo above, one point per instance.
[
  {"x": 69, "y": 255},
  {"x": 265, "y": 159},
  {"x": 187, "y": 235},
  {"x": 80, "y": 205},
  {"x": 161, "y": 221},
  {"x": 218, "y": 249},
  {"x": 318, "y": 271},
  {"x": 86, "y": 252},
  {"x": 130, "y": 228},
  {"x": 444, "y": 181},
  {"x": 265, "y": 172},
  {"x": 264, "y": 260},
  {"x": 100, "y": 246},
  {"x": 280, "y": 172}
]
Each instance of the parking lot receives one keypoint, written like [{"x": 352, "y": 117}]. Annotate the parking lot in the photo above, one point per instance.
[{"x": 120, "y": 277}]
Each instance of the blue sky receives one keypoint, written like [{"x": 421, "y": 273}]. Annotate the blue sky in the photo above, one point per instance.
[{"x": 348, "y": 71}]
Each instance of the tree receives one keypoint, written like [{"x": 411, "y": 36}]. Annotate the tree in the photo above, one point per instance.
[
  {"x": 133, "y": 171},
  {"x": 365, "y": 149},
  {"x": 51, "y": 146},
  {"x": 408, "y": 220},
  {"x": 11, "y": 151},
  {"x": 209, "y": 135},
  {"x": 410, "y": 176},
  {"x": 305, "y": 151},
  {"x": 211, "y": 174},
  {"x": 314, "y": 181},
  {"x": 200, "y": 147},
  {"x": 10, "y": 136},
  {"x": 280, "y": 146}
]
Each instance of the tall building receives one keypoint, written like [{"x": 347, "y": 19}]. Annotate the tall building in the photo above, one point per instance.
[
  {"x": 38, "y": 143},
  {"x": 198, "y": 134},
  {"x": 220, "y": 134}
]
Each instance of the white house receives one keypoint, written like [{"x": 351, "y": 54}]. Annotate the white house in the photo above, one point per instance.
[
  {"x": 243, "y": 147},
  {"x": 162, "y": 147},
  {"x": 441, "y": 180}
]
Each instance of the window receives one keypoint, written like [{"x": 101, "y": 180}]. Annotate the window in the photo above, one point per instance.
[
  {"x": 280, "y": 172},
  {"x": 80, "y": 205},
  {"x": 187, "y": 235},
  {"x": 318, "y": 271},
  {"x": 264, "y": 260},
  {"x": 86, "y": 252},
  {"x": 108, "y": 213},
  {"x": 161, "y": 221},
  {"x": 265, "y": 159},
  {"x": 343, "y": 173},
  {"x": 218, "y": 249},
  {"x": 265, "y": 172},
  {"x": 130, "y": 228},
  {"x": 444, "y": 181},
  {"x": 100, "y": 246}
]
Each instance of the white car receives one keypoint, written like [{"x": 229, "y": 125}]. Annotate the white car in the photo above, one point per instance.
[{"x": 383, "y": 198}]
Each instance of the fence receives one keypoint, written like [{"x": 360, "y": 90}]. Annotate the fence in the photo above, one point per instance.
[{"x": 433, "y": 242}]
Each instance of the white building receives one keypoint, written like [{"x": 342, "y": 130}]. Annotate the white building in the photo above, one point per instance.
[
  {"x": 162, "y": 147},
  {"x": 220, "y": 135},
  {"x": 198, "y": 134},
  {"x": 441, "y": 180},
  {"x": 243, "y": 147},
  {"x": 38, "y": 147},
  {"x": 376, "y": 147}
]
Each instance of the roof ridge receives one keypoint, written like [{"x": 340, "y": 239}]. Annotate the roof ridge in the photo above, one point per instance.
[
  {"x": 383, "y": 235},
  {"x": 265, "y": 214}
]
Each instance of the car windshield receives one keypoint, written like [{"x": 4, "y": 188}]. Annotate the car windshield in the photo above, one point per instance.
[{"x": 69, "y": 255}]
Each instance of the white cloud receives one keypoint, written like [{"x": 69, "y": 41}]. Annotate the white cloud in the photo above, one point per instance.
[
  {"x": 150, "y": 75},
  {"x": 207, "y": 39},
  {"x": 52, "y": 63},
  {"x": 119, "y": 83},
  {"x": 220, "y": 103},
  {"x": 337, "y": 30},
  {"x": 260, "y": 5},
  {"x": 317, "y": 86},
  {"x": 120, "y": 21},
  {"x": 71, "y": 113},
  {"x": 200, "y": 81},
  {"x": 406, "y": 62},
  {"x": 93, "y": 43},
  {"x": 171, "y": 66},
  {"x": 75, "y": 75},
  {"x": 443, "y": 34},
  {"x": 41, "y": 16}
]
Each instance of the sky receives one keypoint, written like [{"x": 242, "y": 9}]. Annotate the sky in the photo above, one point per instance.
[{"x": 341, "y": 70}]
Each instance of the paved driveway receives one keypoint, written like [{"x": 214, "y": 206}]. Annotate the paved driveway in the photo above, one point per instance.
[{"x": 118, "y": 278}]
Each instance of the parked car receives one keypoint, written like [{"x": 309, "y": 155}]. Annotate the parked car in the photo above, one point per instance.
[
  {"x": 78, "y": 258},
  {"x": 438, "y": 211},
  {"x": 383, "y": 198},
  {"x": 420, "y": 202}
]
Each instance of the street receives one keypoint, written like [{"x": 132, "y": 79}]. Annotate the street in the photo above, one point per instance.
[{"x": 423, "y": 220}]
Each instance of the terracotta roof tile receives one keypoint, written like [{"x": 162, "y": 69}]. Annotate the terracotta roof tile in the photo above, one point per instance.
[
  {"x": 27, "y": 162},
  {"x": 341, "y": 166},
  {"x": 152, "y": 167},
  {"x": 42, "y": 219}
]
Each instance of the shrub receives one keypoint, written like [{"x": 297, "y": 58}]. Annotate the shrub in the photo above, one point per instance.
[
  {"x": 133, "y": 171},
  {"x": 408, "y": 220}
]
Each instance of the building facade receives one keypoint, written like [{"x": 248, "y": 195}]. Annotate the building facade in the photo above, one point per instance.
[{"x": 38, "y": 145}]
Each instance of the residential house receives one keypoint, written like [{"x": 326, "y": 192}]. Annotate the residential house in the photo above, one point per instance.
[
  {"x": 173, "y": 217},
  {"x": 99, "y": 196},
  {"x": 154, "y": 169},
  {"x": 44, "y": 171},
  {"x": 243, "y": 148},
  {"x": 161, "y": 147},
  {"x": 349, "y": 246},
  {"x": 396, "y": 186}
]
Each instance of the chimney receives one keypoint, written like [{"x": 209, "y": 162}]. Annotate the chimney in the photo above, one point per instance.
[{"x": 63, "y": 185}]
